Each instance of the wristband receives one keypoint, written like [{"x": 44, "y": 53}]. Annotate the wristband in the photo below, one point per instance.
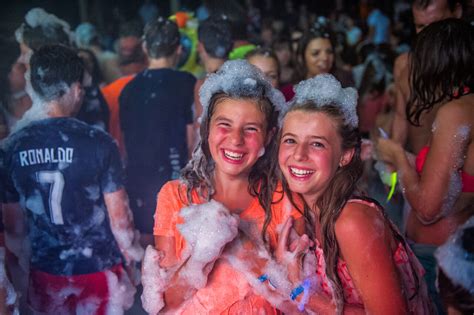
[
  {"x": 296, "y": 291},
  {"x": 263, "y": 278}
]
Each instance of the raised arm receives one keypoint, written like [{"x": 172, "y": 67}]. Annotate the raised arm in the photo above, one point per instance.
[{"x": 432, "y": 193}]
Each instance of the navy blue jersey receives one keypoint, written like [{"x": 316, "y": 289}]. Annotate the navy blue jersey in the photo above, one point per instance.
[
  {"x": 59, "y": 169},
  {"x": 155, "y": 107}
]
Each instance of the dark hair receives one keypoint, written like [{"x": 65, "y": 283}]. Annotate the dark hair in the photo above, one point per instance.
[
  {"x": 264, "y": 52},
  {"x": 161, "y": 38},
  {"x": 455, "y": 295},
  {"x": 215, "y": 33},
  {"x": 423, "y": 4},
  {"x": 442, "y": 63},
  {"x": 317, "y": 31},
  {"x": 131, "y": 28},
  {"x": 91, "y": 65},
  {"x": 10, "y": 52},
  {"x": 38, "y": 36},
  {"x": 54, "y": 68}
]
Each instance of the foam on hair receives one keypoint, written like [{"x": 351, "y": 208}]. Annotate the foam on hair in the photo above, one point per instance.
[
  {"x": 325, "y": 89},
  {"x": 38, "y": 17},
  {"x": 238, "y": 78}
]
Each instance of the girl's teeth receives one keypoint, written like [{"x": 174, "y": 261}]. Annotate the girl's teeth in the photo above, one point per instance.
[
  {"x": 300, "y": 172},
  {"x": 232, "y": 155}
]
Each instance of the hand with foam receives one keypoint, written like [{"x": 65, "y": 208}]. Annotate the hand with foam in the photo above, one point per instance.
[{"x": 207, "y": 228}]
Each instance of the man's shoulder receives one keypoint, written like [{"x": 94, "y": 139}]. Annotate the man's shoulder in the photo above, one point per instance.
[{"x": 183, "y": 75}]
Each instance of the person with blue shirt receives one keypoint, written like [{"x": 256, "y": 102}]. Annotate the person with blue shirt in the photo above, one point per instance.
[{"x": 64, "y": 180}]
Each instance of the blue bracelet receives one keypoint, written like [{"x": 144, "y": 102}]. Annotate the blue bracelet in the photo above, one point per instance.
[
  {"x": 263, "y": 278},
  {"x": 296, "y": 291}
]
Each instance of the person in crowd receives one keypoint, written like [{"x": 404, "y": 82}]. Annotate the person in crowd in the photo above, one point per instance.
[
  {"x": 456, "y": 270},
  {"x": 364, "y": 265},
  {"x": 316, "y": 55},
  {"x": 157, "y": 122},
  {"x": 229, "y": 169},
  {"x": 131, "y": 57},
  {"x": 266, "y": 60},
  {"x": 378, "y": 24},
  {"x": 439, "y": 186},
  {"x": 94, "y": 110},
  {"x": 214, "y": 45},
  {"x": 41, "y": 28},
  {"x": 68, "y": 179},
  {"x": 284, "y": 52},
  {"x": 413, "y": 137},
  {"x": 87, "y": 37},
  {"x": 11, "y": 83},
  {"x": 132, "y": 60}
]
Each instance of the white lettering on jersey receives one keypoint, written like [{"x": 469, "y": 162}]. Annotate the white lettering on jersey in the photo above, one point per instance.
[{"x": 46, "y": 155}]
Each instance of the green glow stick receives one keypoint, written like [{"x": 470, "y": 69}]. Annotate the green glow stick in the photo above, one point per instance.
[{"x": 393, "y": 184}]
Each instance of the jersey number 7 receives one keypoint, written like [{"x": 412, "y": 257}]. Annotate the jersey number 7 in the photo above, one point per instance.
[{"x": 56, "y": 181}]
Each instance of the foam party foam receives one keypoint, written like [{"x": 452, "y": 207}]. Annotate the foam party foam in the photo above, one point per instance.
[
  {"x": 455, "y": 261},
  {"x": 323, "y": 90},
  {"x": 238, "y": 78},
  {"x": 207, "y": 228},
  {"x": 38, "y": 17}
]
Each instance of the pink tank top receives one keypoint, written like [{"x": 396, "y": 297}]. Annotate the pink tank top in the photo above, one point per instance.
[{"x": 408, "y": 267}]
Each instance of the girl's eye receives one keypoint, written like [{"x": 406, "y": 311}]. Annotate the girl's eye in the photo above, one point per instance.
[
  {"x": 251, "y": 129},
  {"x": 289, "y": 141},
  {"x": 318, "y": 145},
  {"x": 223, "y": 124}
]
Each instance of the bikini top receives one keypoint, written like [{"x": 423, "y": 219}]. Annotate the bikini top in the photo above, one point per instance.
[{"x": 467, "y": 180}]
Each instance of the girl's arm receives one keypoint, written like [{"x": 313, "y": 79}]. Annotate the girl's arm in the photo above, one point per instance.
[
  {"x": 365, "y": 245},
  {"x": 178, "y": 289},
  {"x": 434, "y": 192}
]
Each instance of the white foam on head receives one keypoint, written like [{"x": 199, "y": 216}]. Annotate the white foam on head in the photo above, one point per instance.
[
  {"x": 207, "y": 228},
  {"x": 457, "y": 264},
  {"x": 238, "y": 78},
  {"x": 325, "y": 89},
  {"x": 38, "y": 17}
]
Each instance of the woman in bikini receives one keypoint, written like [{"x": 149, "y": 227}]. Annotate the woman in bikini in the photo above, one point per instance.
[{"x": 439, "y": 186}]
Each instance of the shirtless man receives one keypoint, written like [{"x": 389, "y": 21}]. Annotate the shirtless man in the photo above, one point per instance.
[{"x": 413, "y": 137}]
